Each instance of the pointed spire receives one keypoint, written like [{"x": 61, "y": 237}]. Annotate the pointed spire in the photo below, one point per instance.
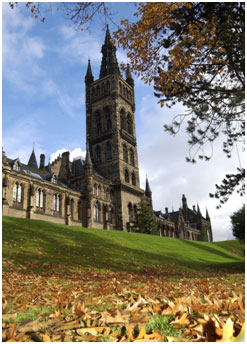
[
  {"x": 198, "y": 209},
  {"x": 32, "y": 160},
  {"x": 88, "y": 160},
  {"x": 129, "y": 78},
  {"x": 148, "y": 191},
  {"x": 109, "y": 64},
  {"x": 89, "y": 76},
  {"x": 207, "y": 215},
  {"x": 107, "y": 35}
]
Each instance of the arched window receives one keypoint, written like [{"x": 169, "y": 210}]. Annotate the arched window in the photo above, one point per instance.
[
  {"x": 79, "y": 210},
  {"x": 123, "y": 119},
  {"x": 97, "y": 212},
  {"x": 125, "y": 153},
  {"x": 108, "y": 151},
  {"x": 97, "y": 90},
  {"x": 108, "y": 121},
  {"x": 17, "y": 193},
  {"x": 129, "y": 124},
  {"x": 98, "y": 154},
  {"x": 120, "y": 88},
  {"x": 56, "y": 203},
  {"x": 39, "y": 199},
  {"x": 103, "y": 88},
  {"x": 98, "y": 123},
  {"x": 132, "y": 157},
  {"x": 126, "y": 176},
  {"x": 133, "y": 178},
  {"x": 130, "y": 212}
]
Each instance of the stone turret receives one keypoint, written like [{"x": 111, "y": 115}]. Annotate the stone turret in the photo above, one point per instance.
[
  {"x": 42, "y": 162},
  {"x": 64, "y": 173},
  {"x": 129, "y": 78}
]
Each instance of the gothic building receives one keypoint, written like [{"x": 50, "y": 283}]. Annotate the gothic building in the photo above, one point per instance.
[{"x": 103, "y": 190}]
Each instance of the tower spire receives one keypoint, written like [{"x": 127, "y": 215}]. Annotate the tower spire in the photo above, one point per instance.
[{"x": 109, "y": 64}]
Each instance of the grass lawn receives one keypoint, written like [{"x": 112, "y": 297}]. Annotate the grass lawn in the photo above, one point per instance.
[{"x": 35, "y": 244}]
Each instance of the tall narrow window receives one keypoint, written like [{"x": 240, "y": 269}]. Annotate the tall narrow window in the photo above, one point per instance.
[
  {"x": 133, "y": 178},
  {"x": 125, "y": 153},
  {"x": 98, "y": 123},
  {"x": 123, "y": 119},
  {"x": 108, "y": 121},
  {"x": 130, "y": 211},
  {"x": 132, "y": 157},
  {"x": 129, "y": 125},
  {"x": 17, "y": 193},
  {"x": 108, "y": 151},
  {"x": 56, "y": 203},
  {"x": 96, "y": 212},
  {"x": 39, "y": 199},
  {"x": 98, "y": 154},
  {"x": 126, "y": 176}
]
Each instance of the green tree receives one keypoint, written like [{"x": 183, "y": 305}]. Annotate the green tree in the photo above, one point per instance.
[
  {"x": 194, "y": 53},
  {"x": 144, "y": 221},
  {"x": 238, "y": 224}
]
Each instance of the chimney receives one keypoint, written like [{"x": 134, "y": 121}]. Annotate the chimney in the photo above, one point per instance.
[
  {"x": 42, "y": 162},
  {"x": 166, "y": 210},
  {"x": 194, "y": 208}
]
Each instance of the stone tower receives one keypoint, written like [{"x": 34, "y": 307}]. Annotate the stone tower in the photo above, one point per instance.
[{"x": 111, "y": 133}]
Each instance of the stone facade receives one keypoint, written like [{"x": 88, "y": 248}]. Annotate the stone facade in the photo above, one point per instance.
[{"x": 103, "y": 190}]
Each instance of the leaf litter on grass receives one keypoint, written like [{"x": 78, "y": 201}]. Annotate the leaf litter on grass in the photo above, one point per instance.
[{"x": 158, "y": 304}]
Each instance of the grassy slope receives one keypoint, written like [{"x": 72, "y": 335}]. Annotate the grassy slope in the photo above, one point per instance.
[{"x": 34, "y": 243}]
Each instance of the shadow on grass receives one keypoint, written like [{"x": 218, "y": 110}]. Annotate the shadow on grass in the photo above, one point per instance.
[
  {"x": 210, "y": 249},
  {"x": 67, "y": 248}
]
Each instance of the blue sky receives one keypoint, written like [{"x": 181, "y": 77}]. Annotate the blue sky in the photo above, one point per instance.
[{"x": 43, "y": 102}]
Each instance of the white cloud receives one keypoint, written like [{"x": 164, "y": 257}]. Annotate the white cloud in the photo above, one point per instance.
[
  {"x": 79, "y": 45},
  {"x": 162, "y": 157},
  {"x": 75, "y": 153}
]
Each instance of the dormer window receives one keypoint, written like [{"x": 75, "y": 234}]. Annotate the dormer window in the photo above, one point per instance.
[
  {"x": 54, "y": 179},
  {"x": 16, "y": 166}
]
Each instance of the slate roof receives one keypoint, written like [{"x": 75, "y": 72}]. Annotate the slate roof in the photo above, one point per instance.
[
  {"x": 78, "y": 167},
  {"x": 34, "y": 171}
]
